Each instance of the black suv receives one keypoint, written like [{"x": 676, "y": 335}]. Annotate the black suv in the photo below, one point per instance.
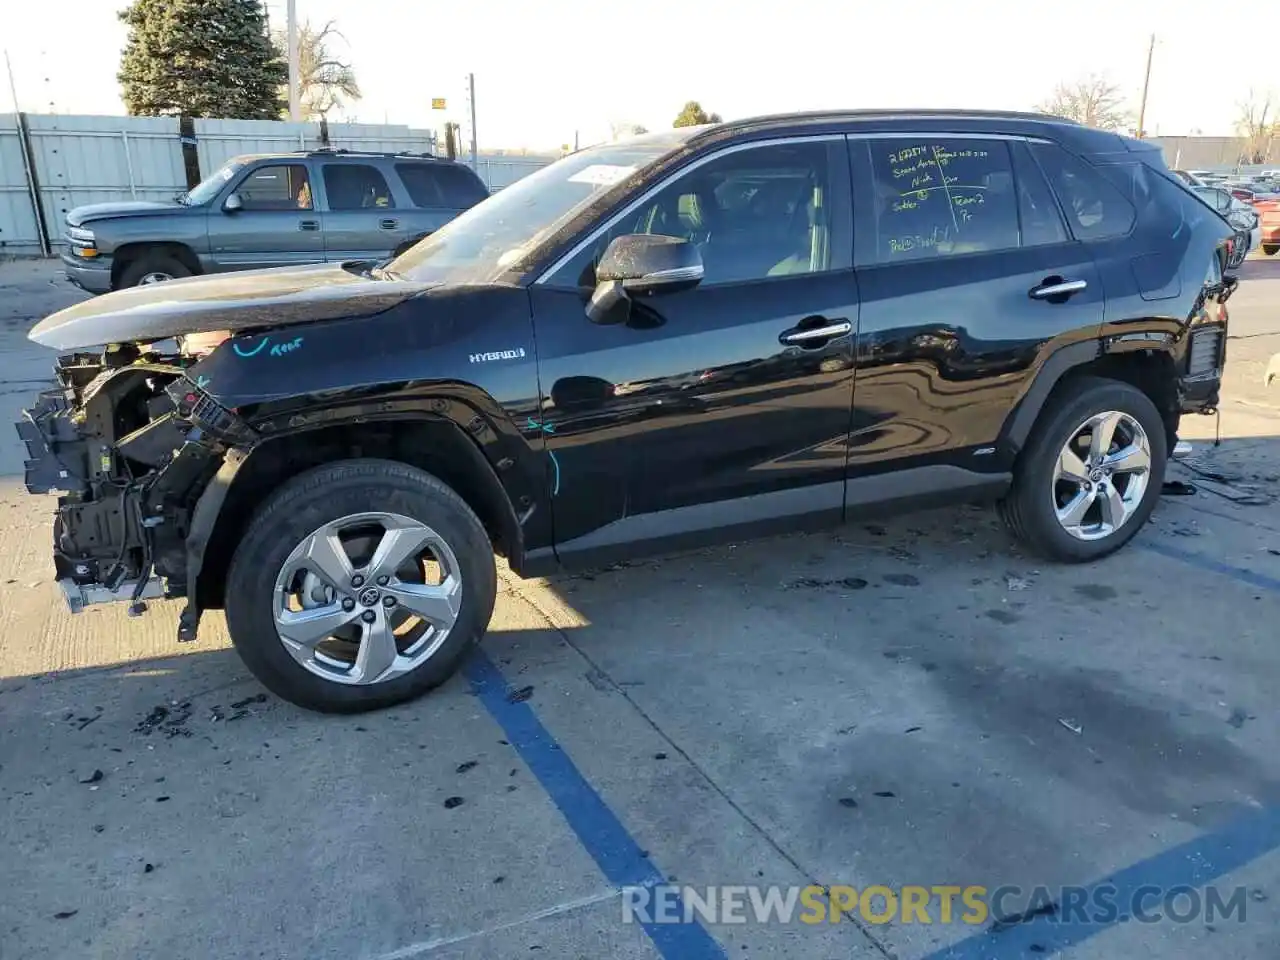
[{"x": 692, "y": 336}]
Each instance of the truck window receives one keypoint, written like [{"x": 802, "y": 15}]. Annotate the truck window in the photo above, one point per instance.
[
  {"x": 355, "y": 186},
  {"x": 277, "y": 186}
]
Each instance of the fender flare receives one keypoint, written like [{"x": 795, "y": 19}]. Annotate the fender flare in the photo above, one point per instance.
[
  {"x": 1018, "y": 426},
  {"x": 485, "y": 428}
]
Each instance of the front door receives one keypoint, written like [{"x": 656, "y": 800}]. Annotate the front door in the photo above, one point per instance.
[
  {"x": 277, "y": 224},
  {"x": 725, "y": 407},
  {"x": 960, "y": 247}
]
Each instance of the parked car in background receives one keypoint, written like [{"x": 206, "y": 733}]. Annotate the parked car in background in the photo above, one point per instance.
[
  {"x": 680, "y": 338},
  {"x": 1242, "y": 217},
  {"x": 270, "y": 210}
]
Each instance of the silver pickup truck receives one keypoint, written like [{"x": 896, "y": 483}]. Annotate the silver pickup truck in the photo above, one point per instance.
[{"x": 270, "y": 210}]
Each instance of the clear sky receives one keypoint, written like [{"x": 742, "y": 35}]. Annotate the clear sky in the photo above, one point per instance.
[{"x": 544, "y": 70}]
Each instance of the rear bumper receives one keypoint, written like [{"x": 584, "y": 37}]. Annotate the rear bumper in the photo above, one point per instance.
[
  {"x": 1270, "y": 231},
  {"x": 93, "y": 276},
  {"x": 1204, "y": 356}
]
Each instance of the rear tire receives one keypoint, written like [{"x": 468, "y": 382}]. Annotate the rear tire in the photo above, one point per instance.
[
  {"x": 322, "y": 499},
  {"x": 1039, "y": 508},
  {"x": 1270, "y": 249},
  {"x": 152, "y": 268}
]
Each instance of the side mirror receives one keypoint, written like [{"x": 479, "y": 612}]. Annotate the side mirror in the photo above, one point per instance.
[
  {"x": 641, "y": 264},
  {"x": 233, "y": 203}
]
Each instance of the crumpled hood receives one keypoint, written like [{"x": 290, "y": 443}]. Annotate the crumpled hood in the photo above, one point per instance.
[
  {"x": 97, "y": 211},
  {"x": 228, "y": 301}
]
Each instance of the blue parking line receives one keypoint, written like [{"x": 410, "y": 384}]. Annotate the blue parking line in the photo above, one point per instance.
[
  {"x": 1251, "y": 577},
  {"x": 614, "y": 850},
  {"x": 1194, "y": 863}
]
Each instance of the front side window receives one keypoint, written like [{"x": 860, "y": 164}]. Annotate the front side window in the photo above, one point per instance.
[
  {"x": 941, "y": 197},
  {"x": 753, "y": 214},
  {"x": 355, "y": 186},
  {"x": 277, "y": 186}
]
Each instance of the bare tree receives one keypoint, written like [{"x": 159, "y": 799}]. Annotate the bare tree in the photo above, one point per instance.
[
  {"x": 1093, "y": 101},
  {"x": 324, "y": 81},
  {"x": 1257, "y": 125}
]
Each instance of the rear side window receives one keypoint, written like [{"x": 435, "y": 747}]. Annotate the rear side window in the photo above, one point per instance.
[
  {"x": 1095, "y": 209},
  {"x": 355, "y": 186},
  {"x": 942, "y": 197}
]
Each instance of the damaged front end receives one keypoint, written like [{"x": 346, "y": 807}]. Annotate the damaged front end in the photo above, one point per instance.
[{"x": 140, "y": 453}]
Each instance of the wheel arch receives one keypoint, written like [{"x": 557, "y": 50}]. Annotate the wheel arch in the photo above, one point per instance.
[
  {"x": 1140, "y": 361},
  {"x": 129, "y": 253},
  {"x": 430, "y": 442}
]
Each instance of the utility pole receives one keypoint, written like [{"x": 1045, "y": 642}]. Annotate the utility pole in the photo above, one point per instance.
[
  {"x": 1146, "y": 84},
  {"x": 291, "y": 30},
  {"x": 13, "y": 87},
  {"x": 471, "y": 87}
]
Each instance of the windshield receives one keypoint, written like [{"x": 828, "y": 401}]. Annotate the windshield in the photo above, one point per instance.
[
  {"x": 209, "y": 187},
  {"x": 494, "y": 235}
]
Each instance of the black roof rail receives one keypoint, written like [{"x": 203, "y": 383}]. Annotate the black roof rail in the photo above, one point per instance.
[{"x": 345, "y": 152}]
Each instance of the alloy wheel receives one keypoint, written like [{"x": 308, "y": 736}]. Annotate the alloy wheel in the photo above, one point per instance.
[
  {"x": 1101, "y": 475},
  {"x": 155, "y": 276},
  {"x": 367, "y": 597}
]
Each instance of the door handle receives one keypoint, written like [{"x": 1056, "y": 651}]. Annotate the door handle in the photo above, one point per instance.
[
  {"x": 308, "y": 224},
  {"x": 1056, "y": 289},
  {"x": 390, "y": 223},
  {"x": 817, "y": 335}
]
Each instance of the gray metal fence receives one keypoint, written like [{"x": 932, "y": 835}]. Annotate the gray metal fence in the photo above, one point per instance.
[{"x": 78, "y": 160}]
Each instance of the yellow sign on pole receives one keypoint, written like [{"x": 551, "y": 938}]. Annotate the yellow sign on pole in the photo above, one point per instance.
[{"x": 437, "y": 103}]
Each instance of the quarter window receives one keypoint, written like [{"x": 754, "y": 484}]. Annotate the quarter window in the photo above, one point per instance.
[
  {"x": 277, "y": 186},
  {"x": 942, "y": 197},
  {"x": 753, "y": 214},
  {"x": 355, "y": 186},
  {"x": 1095, "y": 209},
  {"x": 422, "y": 187}
]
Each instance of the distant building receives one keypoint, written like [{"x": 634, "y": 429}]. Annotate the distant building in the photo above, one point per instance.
[{"x": 1214, "y": 153}]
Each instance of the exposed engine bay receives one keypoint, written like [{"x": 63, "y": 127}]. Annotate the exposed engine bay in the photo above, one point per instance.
[{"x": 131, "y": 443}]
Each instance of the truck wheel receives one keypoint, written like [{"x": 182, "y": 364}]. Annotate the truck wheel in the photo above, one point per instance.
[
  {"x": 152, "y": 268},
  {"x": 358, "y": 585},
  {"x": 1270, "y": 249},
  {"x": 1089, "y": 477}
]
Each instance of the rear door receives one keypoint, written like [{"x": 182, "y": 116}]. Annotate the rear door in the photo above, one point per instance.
[
  {"x": 968, "y": 280},
  {"x": 277, "y": 224},
  {"x": 361, "y": 218},
  {"x": 437, "y": 192}
]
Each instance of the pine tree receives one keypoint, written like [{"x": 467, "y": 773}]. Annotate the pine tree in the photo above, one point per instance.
[{"x": 201, "y": 58}]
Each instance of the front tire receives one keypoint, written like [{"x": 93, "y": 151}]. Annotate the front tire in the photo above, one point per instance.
[
  {"x": 358, "y": 585},
  {"x": 1091, "y": 474},
  {"x": 151, "y": 268},
  {"x": 1270, "y": 249}
]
